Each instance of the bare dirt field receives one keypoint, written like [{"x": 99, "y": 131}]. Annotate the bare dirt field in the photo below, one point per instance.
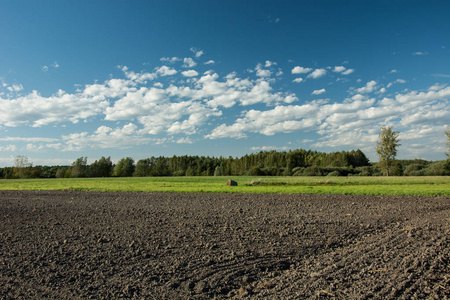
[{"x": 201, "y": 246}]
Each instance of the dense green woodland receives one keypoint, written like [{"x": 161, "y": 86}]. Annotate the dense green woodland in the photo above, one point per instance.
[{"x": 265, "y": 163}]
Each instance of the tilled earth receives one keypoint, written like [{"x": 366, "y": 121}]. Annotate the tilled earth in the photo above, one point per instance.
[{"x": 202, "y": 246}]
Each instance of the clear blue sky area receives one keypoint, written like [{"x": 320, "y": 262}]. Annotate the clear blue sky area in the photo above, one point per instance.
[{"x": 221, "y": 78}]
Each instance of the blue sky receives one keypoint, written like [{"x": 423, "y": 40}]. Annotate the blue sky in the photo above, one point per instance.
[{"x": 150, "y": 78}]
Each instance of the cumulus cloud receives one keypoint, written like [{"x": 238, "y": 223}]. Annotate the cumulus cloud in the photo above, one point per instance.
[
  {"x": 170, "y": 106},
  {"x": 300, "y": 70},
  {"x": 210, "y": 62},
  {"x": 105, "y": 137},
  {"x": 166, "y": 71},
  {"x": 318, "y": 92},
  {"x": 368, "y": 88},
  {"x": 317, "y": 73},
  {"x": 36, "y": 110},
  {"x": 343, "y": 70},
  {"x": 54, "y": 65},
  {"x": 8, "y": 148},
  {"x": 353, "y": 123},
  {"x": 190, "y": 73},
  {"x": 15, "y": 88},
  {"x": 184, "y": 140},
  {"x": 339, "y": 69},
  {"x": 270, "y": 63},
  {"x": 262, "y": 72},
  {"x": 397, "y": 81},
  {"x": 188, "y": 62}
]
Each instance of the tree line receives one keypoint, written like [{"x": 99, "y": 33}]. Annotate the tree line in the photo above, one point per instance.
[
  {"x": 298, "y": 162},
  {"x": 273, "y": 163}
]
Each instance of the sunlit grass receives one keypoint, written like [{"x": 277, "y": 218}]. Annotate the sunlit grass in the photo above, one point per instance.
[{"x": 431, "y": 186}]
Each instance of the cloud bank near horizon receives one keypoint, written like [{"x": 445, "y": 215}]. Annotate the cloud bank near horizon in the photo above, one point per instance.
[{"x": 185, "y": 101}]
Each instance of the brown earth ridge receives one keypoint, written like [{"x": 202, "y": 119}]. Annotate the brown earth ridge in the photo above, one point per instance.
[{"x": 108, "y": 245}]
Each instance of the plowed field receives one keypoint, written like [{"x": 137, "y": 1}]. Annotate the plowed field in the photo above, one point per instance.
[{"x": 201, "y": 246}]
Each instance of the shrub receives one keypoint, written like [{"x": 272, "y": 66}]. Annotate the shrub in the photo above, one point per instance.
[
  {"x": 414, "y": 170},
  {"x": 334, "y": 173}
]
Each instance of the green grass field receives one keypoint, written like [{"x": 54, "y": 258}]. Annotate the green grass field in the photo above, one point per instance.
[{"x": 424, "y": 186}]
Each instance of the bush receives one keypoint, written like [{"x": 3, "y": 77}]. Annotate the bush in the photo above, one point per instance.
[
  {"x": 437, "y": 168},
  {"x": 414, "y": 170},
  {"x": 334, "y": 173}
]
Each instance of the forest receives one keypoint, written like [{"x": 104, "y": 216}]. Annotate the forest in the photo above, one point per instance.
[{"x": 297, "y": 162}]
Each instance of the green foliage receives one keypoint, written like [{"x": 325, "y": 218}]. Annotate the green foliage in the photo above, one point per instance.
[
  {"x": 265, "y": 163},
  {"x": 22, "y": 167},
  {"x": 386, "y": 148},
  {"x": 79, "y": 168},
  {"x": 218, "y": 171},
  {"x": 61, "y": 172},
  {"x": 101, "y": 168},
  {"x": 124, "y": 168}
]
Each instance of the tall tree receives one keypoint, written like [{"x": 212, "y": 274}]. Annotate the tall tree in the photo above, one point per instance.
[
  {"x": 124, "y": 168},
  {"x": 21, "y": 163},
  {"x": 79, "y": 168},
  {"x": 387, "y": 144}
]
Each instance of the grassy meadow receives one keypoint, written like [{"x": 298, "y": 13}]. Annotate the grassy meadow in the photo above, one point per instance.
[{"x": 423, "y": 186}]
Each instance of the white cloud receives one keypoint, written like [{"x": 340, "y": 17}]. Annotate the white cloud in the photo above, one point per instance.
[
  {"x": 166, "y": 71},
  {"x": 188, "y": 62},
  {"x": 354, "y": 123},
  {"x": 348, "y": 72},
  {"x": 260, "y": 72},
  {"x": 437, "y": 87},
  {"x": 223, "y": 131},
  {"x": 8, "y": 148},
  {"x": 36, "y": 110},
  {"x": 178, "y": 110},
  {"x": 15, "y": 88},
  {"x": 105, "y": 137},
  {"x": 317, "y": 73},
  {"x": 270, "y": 63},
  {"x": 197, "y": 52},
  {"x": 184, "y": 140},
  {"x": 420, "y": 53},
  {"x": 300, "y": 70},
  {"x": 270, "y": 148},
  {"x": 368, "y": 88},
  {"x": 342, "y": 70},
  {"x": 210, "y": 62},
  {"x": 29, "y": 139},
  {"x": 54, "y": 65},
  {"x": 190, "y": 73},
  {"x": 170, "y": 60},
  {"x": 339, "y": 69},
  {"x": 397, "y": 81},
  {"x": 318, "y": 92}
]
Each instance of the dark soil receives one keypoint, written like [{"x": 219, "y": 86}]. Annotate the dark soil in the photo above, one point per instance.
[{"x": 201, "y": 246}]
